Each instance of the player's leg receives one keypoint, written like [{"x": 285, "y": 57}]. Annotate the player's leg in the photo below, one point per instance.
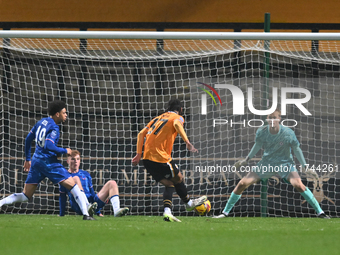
[
  {"x": 79, "y": 197},
  {"x": 182, "y": 192},
  {"x": 161, "y": 173},
  {"x": 243, "y": 184},
  {"x": 26, "y": 194},
  {"x": 88, "y": 205},
  {"x": 78, "y": 182},
  {"x": 181, "y": 189},
  {"x": 295, "y": 180},
  {"x": 110, "y": 191},
  {"x": 167, "y": 200},
  {"x": 33, "y": 178}
]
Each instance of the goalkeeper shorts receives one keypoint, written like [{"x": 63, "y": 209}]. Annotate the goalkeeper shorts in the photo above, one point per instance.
[{"x": 265, "y": 171}]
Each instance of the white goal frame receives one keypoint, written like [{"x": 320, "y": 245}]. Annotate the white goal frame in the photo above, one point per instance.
[{"x": 147, "y": 35}]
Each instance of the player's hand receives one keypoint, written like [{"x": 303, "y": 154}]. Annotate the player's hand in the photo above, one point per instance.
[
  {"x": 27, "y": 166},
  {"x": 190, "y": 147},
  {"x": 240, "y": 163},
  {"x": 136, "y": 159},
  {"x": 69, "y": 151},
  {"x": 310, "y": 173}
]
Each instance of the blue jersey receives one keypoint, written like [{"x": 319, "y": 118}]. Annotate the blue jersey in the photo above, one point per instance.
[
  {"x": 277, "y": 147},
  {"x": 46, "y": 130},
  {"x": 45, "y": 162},
  {"x": 86, "y": 182}
]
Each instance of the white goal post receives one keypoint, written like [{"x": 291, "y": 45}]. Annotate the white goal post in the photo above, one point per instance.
[{"x": 114, "y": 83}]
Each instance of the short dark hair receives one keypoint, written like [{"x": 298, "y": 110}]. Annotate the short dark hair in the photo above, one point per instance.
[
  {"x": 175, "y": 105},
  {"x": 56, "y": 106}
]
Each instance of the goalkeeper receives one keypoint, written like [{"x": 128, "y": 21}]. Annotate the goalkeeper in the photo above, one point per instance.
[
  {"x": 84, "y": 181},
  {"x": 277, "y": 141}
]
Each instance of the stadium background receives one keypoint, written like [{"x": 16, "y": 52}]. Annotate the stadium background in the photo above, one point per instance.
[{"x": 153, "y": 15}]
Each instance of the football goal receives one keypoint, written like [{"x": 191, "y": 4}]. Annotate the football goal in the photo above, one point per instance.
[{"x": 114, "y": 83}]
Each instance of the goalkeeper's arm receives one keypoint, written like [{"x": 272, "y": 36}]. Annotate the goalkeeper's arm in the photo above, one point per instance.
[
  {"x": 251, "y": 154},
  {"x": 299, "y": 155}
]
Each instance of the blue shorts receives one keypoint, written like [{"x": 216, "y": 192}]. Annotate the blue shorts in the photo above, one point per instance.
[
  {"x": 75, "y": 207},
  {"x": 50, "y": 168},
  {"x": 265, "y": 170}
]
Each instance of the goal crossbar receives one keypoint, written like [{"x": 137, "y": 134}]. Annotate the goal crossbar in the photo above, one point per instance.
[{"x": 168, "y": 35}]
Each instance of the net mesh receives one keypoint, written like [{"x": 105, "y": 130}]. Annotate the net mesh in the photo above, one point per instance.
[{"x": 113, "y": 88}]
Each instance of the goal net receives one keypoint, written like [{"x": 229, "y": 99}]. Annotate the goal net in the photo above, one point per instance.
[{"x": 114, "y": 87}]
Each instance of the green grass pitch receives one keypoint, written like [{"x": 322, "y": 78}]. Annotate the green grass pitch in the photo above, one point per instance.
[{"x": 50, "y": 234}]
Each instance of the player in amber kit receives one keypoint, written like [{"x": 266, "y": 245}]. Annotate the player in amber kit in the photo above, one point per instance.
[{"x": 160, "y": 135}]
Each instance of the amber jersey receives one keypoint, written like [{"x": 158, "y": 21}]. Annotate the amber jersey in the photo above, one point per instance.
[{"x": 160, "y": 137}]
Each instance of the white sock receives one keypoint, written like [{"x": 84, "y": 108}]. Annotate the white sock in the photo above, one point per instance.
[
  {"x": 79, "y": 197},
  {"x": 85, "y": 198},
  {"x": 115, "y": 203},
  {"x": 14, "y": 198},
  {"x": 189, "y": 203},
  {"x": 167, "y": 210}
]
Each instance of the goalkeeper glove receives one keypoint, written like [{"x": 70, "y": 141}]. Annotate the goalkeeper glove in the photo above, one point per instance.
[
  {"x": 241, "y": 162},
  {"x": 310, "y": 173}
]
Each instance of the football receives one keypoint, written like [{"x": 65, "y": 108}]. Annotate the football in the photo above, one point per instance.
[{"x": 203, "y": 209}]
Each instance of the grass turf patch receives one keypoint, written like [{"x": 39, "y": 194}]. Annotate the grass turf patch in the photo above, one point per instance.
[{"x": 50, "y": 234}]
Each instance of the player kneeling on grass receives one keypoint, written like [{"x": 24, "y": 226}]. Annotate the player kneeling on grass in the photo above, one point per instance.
[
  {"x": 277, "y": 141},
  {"x": 45, "y": 162},
  {"x": 160, "y": 135},
  {"x": 84, "y": 181}
]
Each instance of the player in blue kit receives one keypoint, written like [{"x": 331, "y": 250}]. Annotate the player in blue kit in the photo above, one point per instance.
[
  {"x": 277, "y": 141},
  {"x": 84, "y": 181},
  {"x": 45, "y": 163}
]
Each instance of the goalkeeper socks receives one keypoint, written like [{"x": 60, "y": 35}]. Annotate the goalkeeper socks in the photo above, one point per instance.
[
  {"x": 79, "y": 197},
  {"x": 182, "y": 192},
  {"x": 231, "y": 202},
  {"x": 14, "y": 198},
  {"x": 115, "y": 203},
  {"x": 308, "y": 195},
  {"x": 167, "y": 197}
]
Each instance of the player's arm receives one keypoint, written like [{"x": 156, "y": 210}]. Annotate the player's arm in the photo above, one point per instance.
[
  {"x": 62, "y": 200},
  {"x": 140, "y": 142},
  {"x": 299, "y": 155},
  {"x": 178, "y": 125},
  {"x": 90, "y": 185},
  {"x": 255, "y": 149},
  {"x": 50, "y": 144},
  {"x": 252, "y": 153},
  {"x": 28, "y": 142},
  {"x": 93, "y": 193}
]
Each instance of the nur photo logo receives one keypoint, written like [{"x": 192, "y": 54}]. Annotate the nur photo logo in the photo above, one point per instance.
[
  {"x": 204, "y": 97},
  {"x": 240, "y": 99}
]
